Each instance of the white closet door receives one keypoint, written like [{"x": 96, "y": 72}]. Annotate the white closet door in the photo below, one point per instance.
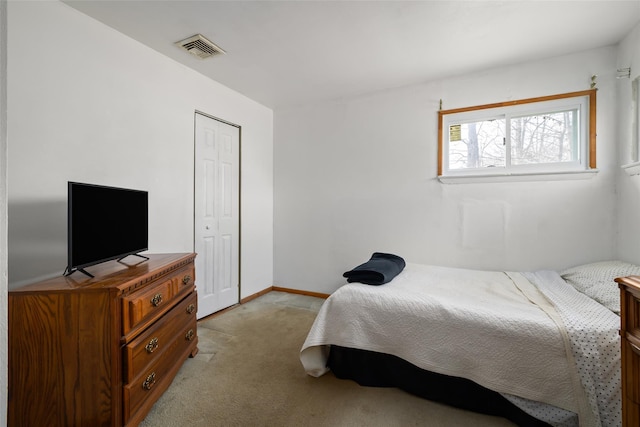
[{"x": 217, "y": 214}]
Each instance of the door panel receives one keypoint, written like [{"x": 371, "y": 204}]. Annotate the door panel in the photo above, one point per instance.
[{"x": 216, "y": 214}]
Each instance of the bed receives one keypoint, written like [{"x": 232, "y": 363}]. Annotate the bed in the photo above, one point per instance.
[{"x": 539, "y": 348}]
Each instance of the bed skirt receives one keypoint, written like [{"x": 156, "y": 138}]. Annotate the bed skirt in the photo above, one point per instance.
[{"x": 369, "y": 368}]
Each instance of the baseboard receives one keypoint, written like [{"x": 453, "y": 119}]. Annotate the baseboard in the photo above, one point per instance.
[
  {"x": 279, "y": 289},
  {"x": 256, "y": 295},
  {"x": 300, "y": 292},
  {"x": 262, "y": 292}
]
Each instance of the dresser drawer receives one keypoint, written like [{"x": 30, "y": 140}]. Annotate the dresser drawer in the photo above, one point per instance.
[
  {"x": 630, "y": 305},
  {"x": 142, "y": 351},
  {"x": 630, "y": 413},
  {"x": 155, "y": 299},
  {"x": 163, "y": 368},
  {"x": 631, "y": 368}
]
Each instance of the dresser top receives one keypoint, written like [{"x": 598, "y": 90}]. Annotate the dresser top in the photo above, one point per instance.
[
  {"x": 119, "y": 275},
  {"x": 630, "y": 283}
]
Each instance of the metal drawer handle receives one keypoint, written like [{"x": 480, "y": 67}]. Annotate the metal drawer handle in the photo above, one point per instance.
[
  {"x": 156, "y": 300},
  {"x": 191, "y": 308},
  {"x": 149, "y": 382},
  {"x": 189, "y": 335},
  {"x": 153, "y": 344},
  {"x": 186, "y": 279}
]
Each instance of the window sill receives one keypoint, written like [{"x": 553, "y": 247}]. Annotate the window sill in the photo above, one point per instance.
[
  {"x": 540, "y": 176},
  {"x": 632, "y": 168}
]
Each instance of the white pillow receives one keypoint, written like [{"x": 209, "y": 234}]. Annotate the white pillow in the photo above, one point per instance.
[{"x": 596, "y": 280}]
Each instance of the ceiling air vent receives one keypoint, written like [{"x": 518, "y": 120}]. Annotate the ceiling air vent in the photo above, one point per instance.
[{"x": 199, "y": 46}]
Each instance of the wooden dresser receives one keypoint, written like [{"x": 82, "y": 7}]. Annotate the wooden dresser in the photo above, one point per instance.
[
  {"x": 100, "y": 351},
  {"x": 630, "y": 338}
]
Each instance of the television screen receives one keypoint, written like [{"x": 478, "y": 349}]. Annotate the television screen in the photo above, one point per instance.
[{"x": 104, "y": 223}]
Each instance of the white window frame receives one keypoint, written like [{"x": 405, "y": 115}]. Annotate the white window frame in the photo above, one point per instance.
[
  {"x": 635, "y": 118},
  {"x": 583, "y": 101},
  {"x": 633, "y": 168}
]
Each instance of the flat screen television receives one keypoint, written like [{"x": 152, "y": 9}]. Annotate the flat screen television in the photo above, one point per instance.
[{"x": 103, "y": 224}]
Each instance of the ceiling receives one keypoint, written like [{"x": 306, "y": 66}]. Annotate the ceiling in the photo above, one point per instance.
[{"x": 287, "y": 53}]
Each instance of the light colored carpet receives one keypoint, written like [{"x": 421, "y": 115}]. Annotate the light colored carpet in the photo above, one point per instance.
[{"x": 248, "y": 373}]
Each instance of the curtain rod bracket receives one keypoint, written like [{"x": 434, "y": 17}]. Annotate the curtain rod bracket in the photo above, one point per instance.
[{"x": 623, "y": 73}]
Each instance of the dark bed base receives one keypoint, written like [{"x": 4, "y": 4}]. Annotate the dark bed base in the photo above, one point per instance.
[{"x": 372, "y": 369}]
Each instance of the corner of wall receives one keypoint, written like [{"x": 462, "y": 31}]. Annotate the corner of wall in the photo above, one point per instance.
[
  {"x": 627, "y": 187},
  {"x": 3, "y": 214}
]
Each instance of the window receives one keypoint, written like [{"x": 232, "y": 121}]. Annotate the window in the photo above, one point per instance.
[{"x": 553, "y": 134}]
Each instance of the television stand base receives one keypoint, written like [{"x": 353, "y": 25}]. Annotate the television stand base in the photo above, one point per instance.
[
  {"x": 138, "y": 255},
  {"x": 69, "y": 271}
]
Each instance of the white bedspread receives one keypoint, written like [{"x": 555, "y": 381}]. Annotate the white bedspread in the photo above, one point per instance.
[{"x": 493, "y": 328}]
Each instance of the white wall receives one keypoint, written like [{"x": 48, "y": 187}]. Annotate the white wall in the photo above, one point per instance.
[
  {"x": 359, "y": 175},
  {"x": 628, "y": 189},
  {"x": 89, "y": 104},
  {"x": 3, "y": 215}
]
